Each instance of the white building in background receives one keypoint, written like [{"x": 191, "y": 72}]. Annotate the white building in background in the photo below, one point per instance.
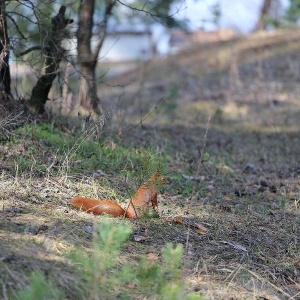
[
  {"x": 128, "y": 46},
  {"x": 120, "y": 46}
]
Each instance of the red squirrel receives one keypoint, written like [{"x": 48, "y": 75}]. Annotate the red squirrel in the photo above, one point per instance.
[{"x": 144, "y": 199}]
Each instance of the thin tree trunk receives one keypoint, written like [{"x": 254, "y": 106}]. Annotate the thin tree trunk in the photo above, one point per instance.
[
  {"x": 265, "y": 12},
  {"x": 88, "y": 89},
  {"x": 5, "y": 96},
  {"x": 53, "y": 58},
  {"x": 88, "y": 59}
]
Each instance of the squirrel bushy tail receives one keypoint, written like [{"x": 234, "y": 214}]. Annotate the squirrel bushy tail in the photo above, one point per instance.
[{"x": 98, "y": 207}]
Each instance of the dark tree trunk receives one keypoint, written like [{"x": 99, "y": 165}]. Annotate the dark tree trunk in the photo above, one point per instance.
[
  {"x": 87, "y": 58},
  {"x": 53, "y": 58},
  {"x": 5, "y": 96},
  {"x": 265, "y": 12}
]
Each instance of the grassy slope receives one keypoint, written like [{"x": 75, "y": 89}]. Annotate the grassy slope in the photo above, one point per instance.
[{"x": 226, "y": 114}]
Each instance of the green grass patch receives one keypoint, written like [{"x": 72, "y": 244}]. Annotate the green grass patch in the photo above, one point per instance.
[
  {"x": 40, "y": 288},
  {"x": 45, "y": 147}
]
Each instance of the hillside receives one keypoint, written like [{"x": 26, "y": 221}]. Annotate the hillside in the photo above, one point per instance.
[{"x": 224, "y": 120}]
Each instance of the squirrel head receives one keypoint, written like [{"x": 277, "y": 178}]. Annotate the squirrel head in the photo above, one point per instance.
[{"x": 156, "y": 179}]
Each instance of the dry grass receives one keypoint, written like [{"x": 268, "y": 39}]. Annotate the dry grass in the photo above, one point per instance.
[{"x": 245, "y": 163}]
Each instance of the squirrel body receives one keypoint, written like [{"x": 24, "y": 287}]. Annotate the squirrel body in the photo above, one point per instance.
[{"x": 144, "y": 199}]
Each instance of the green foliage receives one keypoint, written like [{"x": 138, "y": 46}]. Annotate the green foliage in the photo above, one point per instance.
[
  {"x": 40, "y": 288},
  {"x": 98, "y": 270},
  {"x": 156, "y": 278},
  {"x": 82, "y": 154},
  {"x": 216, "y": 12},
  {"x": 293, "y": 12},
  {"x": 187, "y": 187},
  {"x": 219, "y": 116},
  {"x": 104, "y": 277}
]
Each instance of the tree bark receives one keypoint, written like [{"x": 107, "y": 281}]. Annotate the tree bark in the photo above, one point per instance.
[
  {"x": 265, "y": 11},
  {"x": 87, "y": 94},
  {"x": 54, "y": 54},
  {"x": 88, "y": 89},
  {"x": 87, "y": 58},
  {"x": 5, "y": 92}
]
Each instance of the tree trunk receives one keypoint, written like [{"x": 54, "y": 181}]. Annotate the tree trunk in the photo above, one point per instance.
[
  {"x": 265, "y": 12},
  {"x": 5, "y": 96},
  {"x": 53, "y": 58},
  {"x": 87, "y": 59},
  {"x": 87, "y": 94}
]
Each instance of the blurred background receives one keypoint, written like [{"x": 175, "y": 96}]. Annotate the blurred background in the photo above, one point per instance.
[{"x": 121, "y": 36}]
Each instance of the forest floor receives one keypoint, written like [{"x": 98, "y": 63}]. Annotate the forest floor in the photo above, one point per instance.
[{"x": 227, "y": 117}]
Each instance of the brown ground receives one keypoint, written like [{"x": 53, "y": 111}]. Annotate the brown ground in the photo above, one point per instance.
[{"x": 228, "y": 116}]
